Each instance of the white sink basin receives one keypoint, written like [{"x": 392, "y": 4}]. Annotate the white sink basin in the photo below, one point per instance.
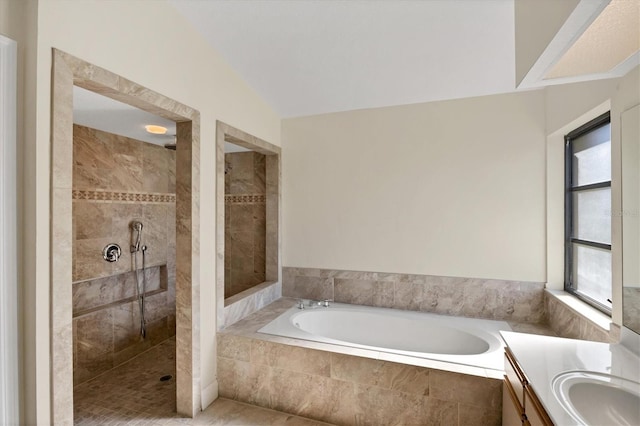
[{"x": 598, "y": 399}]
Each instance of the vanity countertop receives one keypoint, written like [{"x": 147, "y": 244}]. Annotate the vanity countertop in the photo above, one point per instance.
[{"x": 544, "y": 357}]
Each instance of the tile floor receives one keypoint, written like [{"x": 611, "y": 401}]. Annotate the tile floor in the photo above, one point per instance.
[{"x": 132, "y": 394}]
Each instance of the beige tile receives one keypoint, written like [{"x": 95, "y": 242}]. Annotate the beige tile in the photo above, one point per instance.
[
  {"x": 388, "y": 375},
  {"x": 94, "y": 345},
  {"x": 89, "y": 262},
  {"x": 240, "y": 175},
  {"x": 94, "y": 332},
  {"x": 309, "y": 288},
  {"x": 155, "y": 168},
  {"x": 234, "y": 347},
  {"x": 386, "y": 407},
  {"x": 137, "y": 347},
  {"x": 290, "y": 358},
  {"x": 480, "y": 298},
  {"x": 155, "y": 233},
  {"x": 171, "y": 171},
  {"x": 94, "y": 293},
  {"x": 471, "y": 390},
  {"x": 470, "y": 415},
  {"x": 156, "y": 307},
  {"x": 408, "y": 295},
  {"x": 245, "y": 382},
  {"x": 228, "y": 412},
  {"x": 364, "y": 292},
  {"x": 312, "y": 396},
  {"x": 542, "y": 329},
  {"x": 126, "y": 285},
  {"x": 126, "y": 325},
  {"x": 435, "y": 412},
  {"x": 105, "y": 161},
  {"x": 159, "y": 330},
  {"x": 92, "y": 220}
]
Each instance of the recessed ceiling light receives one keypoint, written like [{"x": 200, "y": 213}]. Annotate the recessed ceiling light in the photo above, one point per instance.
[{"x": 156, "y": 130}]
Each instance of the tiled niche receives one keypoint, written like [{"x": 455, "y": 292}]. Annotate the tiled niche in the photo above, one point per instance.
[
  {"x": 239, "y": 212},
  {"x": 117, "y": 180},
  {"x": 244, "y": 221}
]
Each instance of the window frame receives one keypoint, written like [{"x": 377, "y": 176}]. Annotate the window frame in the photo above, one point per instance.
[{"x": 588, "y": 127}]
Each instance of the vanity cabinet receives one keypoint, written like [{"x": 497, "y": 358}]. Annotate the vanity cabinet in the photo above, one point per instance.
[{"x": 520, "y": 406}]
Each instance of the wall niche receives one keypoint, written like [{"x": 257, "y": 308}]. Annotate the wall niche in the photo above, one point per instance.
[
  {"x": 245, "y": 221},
  {"x": 248, "y": 224}
]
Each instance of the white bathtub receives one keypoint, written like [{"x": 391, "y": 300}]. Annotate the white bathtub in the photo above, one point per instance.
[{"x": 467, "y": 341}]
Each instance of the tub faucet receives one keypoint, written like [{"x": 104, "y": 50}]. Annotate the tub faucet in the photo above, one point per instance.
[
  {"x": 300, "y": 304},
  {"x": 319, "y": 303}
]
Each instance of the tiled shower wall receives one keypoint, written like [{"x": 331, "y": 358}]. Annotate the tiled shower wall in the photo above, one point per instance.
[
  {"x": 517, "y": 301},
  {"x": 245, "y": 219},
  {"x": 117, "y": 180}
]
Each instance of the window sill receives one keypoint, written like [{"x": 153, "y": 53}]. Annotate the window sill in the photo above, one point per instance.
[{"x": 581, "y": 308}]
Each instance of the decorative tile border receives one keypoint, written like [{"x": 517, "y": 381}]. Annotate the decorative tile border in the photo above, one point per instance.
[
  {"x": 125, "y": 197},
  {"x": 245, "y": 199}
]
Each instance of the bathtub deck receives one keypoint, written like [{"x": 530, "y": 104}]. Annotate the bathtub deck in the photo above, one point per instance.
[{"x": 249, "y": 327}]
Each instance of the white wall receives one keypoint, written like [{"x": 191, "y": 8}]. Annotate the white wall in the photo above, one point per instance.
[
  {"x": 453, "y": 188},
  {"x": 150, "y": 43},
  {"x": 568, "y": 107},
  {"x": 18, "y": 21},
  {"x": 536, "y": 24}
]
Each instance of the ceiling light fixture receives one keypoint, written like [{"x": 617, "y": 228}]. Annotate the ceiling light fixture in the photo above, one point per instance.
[{"x": 155, "y": 130}]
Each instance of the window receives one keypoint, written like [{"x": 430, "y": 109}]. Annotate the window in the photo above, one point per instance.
[{"x": 588, "y": 212}]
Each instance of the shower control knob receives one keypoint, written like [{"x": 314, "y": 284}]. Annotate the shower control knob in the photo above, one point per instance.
[{"x": 111, "y": 252}]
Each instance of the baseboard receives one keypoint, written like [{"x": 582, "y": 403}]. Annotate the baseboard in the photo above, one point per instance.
[{"x": 209, "y": 394}]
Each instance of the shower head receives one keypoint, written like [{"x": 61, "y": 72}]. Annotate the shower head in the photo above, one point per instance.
[
  {"x": 137, "y": 228},
  {"x": 172, "y": 145}
]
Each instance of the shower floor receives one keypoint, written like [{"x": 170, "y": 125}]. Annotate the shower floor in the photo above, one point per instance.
[{"x": 132, "y": 394}]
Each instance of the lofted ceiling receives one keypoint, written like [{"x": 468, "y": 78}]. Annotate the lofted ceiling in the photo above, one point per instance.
[
  {"x": 306, "y": 57},
  {"x": 318, "y": 56}
]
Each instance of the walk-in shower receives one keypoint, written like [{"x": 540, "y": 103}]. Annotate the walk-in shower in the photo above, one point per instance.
[{"x": 141, "y": 284}]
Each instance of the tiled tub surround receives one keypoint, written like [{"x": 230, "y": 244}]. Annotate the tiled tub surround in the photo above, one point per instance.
[
  {"x": 513, "y": 301},
  {"x": 117, "y": 180},
  {"x": 631, "y": 308},
  {"x": 348, "y": 386},
  {"x": 245, "y": 221},
  {"x": 571, "y": 318}
]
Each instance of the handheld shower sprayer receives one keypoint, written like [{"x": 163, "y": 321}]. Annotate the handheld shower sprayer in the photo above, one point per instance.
[
  {"x": 136, "y": 237},
  {"x": 137, "y": 227}
]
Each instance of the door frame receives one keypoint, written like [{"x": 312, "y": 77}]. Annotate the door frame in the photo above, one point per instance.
[
  {"x": 241, "y": 305},
  {"x": 67, "y": 72}
]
